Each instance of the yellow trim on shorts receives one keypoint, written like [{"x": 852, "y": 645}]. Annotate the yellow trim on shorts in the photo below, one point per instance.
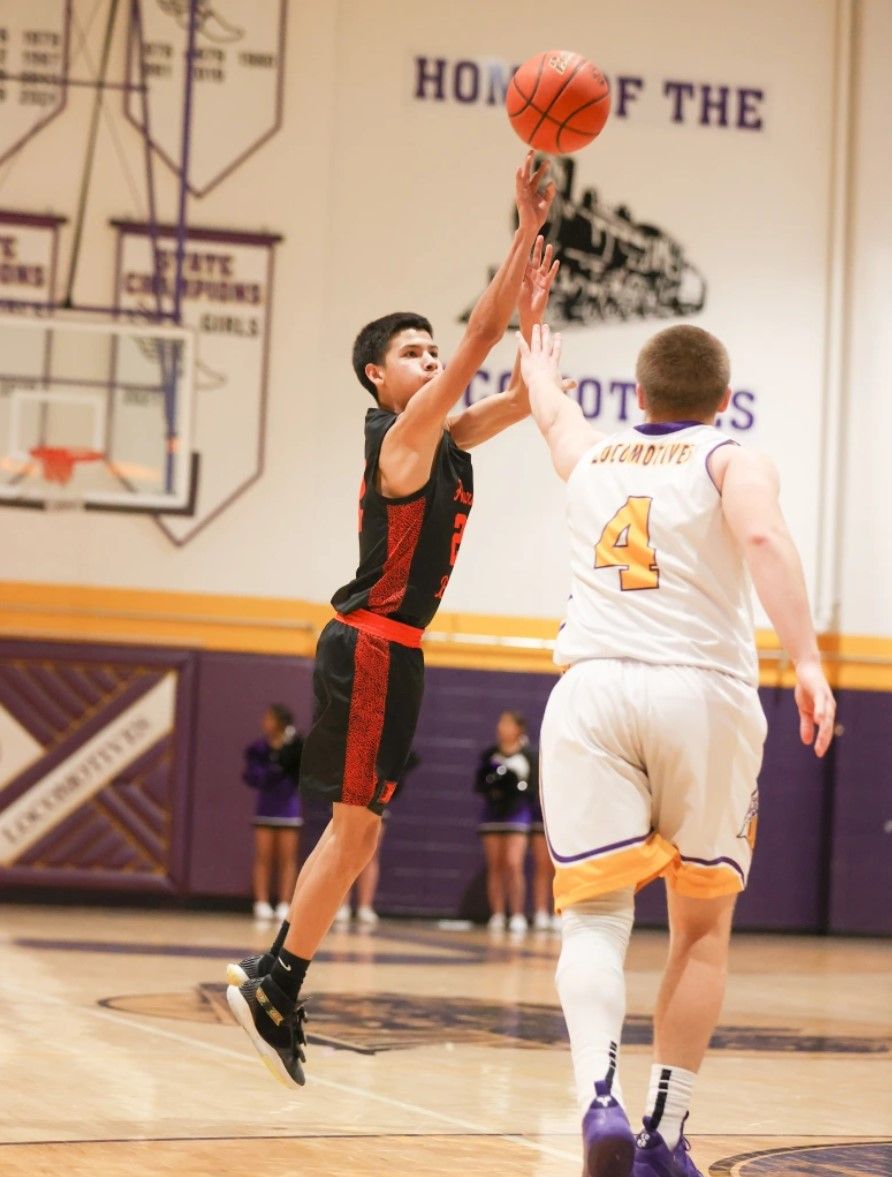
[
  {"x": 703, "y": 882},
  {"x": 635, "y": 867}
]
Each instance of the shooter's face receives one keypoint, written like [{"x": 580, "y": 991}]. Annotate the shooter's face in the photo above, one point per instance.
[{"x": 411, "y": 361}]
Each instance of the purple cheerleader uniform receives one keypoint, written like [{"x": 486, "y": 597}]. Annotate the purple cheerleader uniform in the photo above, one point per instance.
[
  {"x": 509, "y": 785},
  {"x": 273, "y": 772}
]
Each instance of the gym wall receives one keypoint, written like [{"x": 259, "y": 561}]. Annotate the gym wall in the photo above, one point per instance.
[{"x": 371, "y": 168}]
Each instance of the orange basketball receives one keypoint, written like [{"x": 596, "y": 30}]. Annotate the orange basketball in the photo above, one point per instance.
[{"x": 558, "y": 101}]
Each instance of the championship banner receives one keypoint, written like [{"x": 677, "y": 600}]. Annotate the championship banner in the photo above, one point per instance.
[
  {"x": 237, "y": 82},
  {"x": 29, "y": 246},
  {"x": 90, "y": 773},
  {"x": 34, "y": 57},
  {"x": 226, "y": 298}
]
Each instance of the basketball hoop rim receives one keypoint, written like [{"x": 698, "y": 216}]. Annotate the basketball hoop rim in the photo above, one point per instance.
[{"x": 43, "y": 453}]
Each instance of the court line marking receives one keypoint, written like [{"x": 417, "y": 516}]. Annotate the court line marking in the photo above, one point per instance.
[{"x": 234, "y": 1057}]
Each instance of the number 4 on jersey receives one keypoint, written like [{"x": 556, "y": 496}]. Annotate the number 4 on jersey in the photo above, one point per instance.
[{"x": 625, "y": 544}]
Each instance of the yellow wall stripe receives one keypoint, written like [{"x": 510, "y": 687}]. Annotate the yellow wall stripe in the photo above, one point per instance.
[{"x": 280, "y": 625}]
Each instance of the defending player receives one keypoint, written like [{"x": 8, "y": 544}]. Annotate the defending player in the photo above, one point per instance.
[
  {"x": 652, "y": 740},
  {"x": 414, "y": 503}
]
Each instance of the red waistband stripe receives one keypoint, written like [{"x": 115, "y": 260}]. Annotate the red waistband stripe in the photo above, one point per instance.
[{"x": 383, "y": 627}]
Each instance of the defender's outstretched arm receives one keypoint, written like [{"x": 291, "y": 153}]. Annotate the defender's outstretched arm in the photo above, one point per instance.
[{"x": 559, "y": 419}]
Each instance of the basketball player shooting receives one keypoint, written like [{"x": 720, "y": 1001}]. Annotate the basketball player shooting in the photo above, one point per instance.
[
  {"x": 415, "y": 499},
  {"x": 652, "y": 739}
]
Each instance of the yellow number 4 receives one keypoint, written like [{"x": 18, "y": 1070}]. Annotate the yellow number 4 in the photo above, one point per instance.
[{"x": 625, "y": 544}]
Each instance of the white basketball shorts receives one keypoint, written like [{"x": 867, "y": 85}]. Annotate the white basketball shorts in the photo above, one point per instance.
[{"x": 650, "y": 770}]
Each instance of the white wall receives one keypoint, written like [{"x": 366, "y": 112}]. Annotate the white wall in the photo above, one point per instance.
[
  {"x": 866, "y": 545},
  {"x": 386, "y": 201}
]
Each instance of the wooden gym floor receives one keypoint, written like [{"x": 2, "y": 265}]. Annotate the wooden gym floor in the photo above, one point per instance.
[{"x": 432, "y": 1051}]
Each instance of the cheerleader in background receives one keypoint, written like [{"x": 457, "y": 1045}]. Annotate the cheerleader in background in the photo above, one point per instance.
[
  {"x": 508, "y": 779},
  {"x": 272, "y": 767}
]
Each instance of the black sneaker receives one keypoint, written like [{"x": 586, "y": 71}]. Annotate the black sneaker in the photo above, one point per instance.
[
  {"x": 252, "y": 968},
  {"x": 275, "y": 1025}
]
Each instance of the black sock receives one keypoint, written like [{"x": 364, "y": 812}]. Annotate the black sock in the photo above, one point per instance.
[
  {"x": 288, "y": 972},
  {"x": 280, "y": 939}
]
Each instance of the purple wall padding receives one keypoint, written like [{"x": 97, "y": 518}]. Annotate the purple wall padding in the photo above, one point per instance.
[
  {"x": 861, "y": 854},
  {"x": 432, "y": 862},
  {"x": 233, "y": 692},
  {"x": 129, "y": 836},
  {"x": 431, "y": 856}
]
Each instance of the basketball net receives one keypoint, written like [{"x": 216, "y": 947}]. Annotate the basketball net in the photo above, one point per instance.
[{"x": 58, "y": 463}]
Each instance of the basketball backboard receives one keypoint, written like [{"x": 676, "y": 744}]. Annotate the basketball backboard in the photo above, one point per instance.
[{"x": 95, "y": 414}]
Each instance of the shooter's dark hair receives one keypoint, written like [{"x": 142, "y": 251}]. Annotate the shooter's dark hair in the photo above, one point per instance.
[{"x": 370, "y": 345}]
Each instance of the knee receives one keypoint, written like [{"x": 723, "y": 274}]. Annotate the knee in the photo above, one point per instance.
[
  {"x": 609, "y": 917},
  {"x": 514, "y": 868},
  {"x": 709, "y": 938},
  {"x": 700, "y": 942},
  {"x": 357, "y": 842},
  {"x": 695, "y": 922}
]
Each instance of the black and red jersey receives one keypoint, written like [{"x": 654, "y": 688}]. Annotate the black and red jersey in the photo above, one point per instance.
[{"x": 408, "y": 546}]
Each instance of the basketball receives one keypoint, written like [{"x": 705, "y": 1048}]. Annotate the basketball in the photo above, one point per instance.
[{"x": 558, "y": 102}]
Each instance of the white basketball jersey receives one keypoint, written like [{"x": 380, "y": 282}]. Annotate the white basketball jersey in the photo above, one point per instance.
[{"x": 656, "y": 574}]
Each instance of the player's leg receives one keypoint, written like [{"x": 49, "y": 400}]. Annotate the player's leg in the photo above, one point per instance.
[
  {"x": 693, "y": 986},
  {"x": 368, "y": 695},
  {"x": 543, "y": 880},
  {"x": 688, "y": 1005},
  {"x": 704, "y": 753},
  {"x": 268, "y": 1008},
  {"x": 597, "y": 805},
  {"x": 259, "y": 964},
  {"x": 592, "y": 989},
  {"x": 349, "y": 848},
  {"x": 494, "y": 853},
  {"x": 515, "y": 878},
  {"x": 264, "y": 841},
  {"x": 687, "y": 1010},
  {"x": 367, "y": 886},
  {"x": 287, "y": 848}
]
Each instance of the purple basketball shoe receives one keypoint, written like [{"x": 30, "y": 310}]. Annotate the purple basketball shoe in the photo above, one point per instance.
[
  {"x": 654, "y": 1157},
  {"x": 608, "y": 1143}
]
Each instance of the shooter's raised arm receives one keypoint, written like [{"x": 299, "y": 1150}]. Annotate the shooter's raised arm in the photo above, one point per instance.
[
  {"x": 488, "y": 417},
  {"x": 409, "y": 447}
]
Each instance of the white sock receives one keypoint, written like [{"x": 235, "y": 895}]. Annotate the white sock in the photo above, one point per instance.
[
  {"x": 592, "y": 987},
  {"x": 668, "y": 1100}
]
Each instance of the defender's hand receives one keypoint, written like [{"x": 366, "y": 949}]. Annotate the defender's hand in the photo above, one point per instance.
[
  {"x": 542, "y": 357},
  {"x": 817, "y": 707},
  {"x": 535, "y": 289},
  {"x": 533, "y": 205}
]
